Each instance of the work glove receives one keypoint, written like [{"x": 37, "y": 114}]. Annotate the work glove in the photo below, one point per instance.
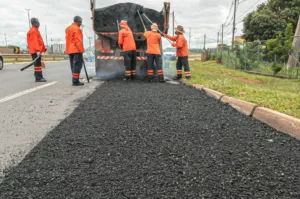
[
  {"x": 38, "y": 54},
  {"x": 145, "y": 30},
  {"x": 174, "y": 44}
]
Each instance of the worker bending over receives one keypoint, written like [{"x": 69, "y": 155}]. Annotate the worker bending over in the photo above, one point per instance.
[
  {"x": 126, "y": 41},
  {"x": 182, "y": 53},
  {"x": 154, "y": 54}
]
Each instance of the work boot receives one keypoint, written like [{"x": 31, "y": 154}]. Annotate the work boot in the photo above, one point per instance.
[
  {"x": 41, "y": 80},
  {"x": 150, "y": 79},
  {"x": 132, "y": 77},
  {"x": 188, "y": 78},
  {"x": 161, "y": 79},
  {"x": 78, "y": 84},
  {"x": 176, "y": 78}
]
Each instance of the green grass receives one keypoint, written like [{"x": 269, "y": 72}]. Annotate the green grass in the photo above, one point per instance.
[{"x": 282, "y": 95}]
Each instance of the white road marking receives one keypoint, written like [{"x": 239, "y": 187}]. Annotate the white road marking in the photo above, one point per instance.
[{"x": 10, "y": 97}]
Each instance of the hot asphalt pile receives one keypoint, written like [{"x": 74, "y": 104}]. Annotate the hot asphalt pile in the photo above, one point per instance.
[
  {"x": 140, "y": 140},
  {"x": 106, "y": 18}
]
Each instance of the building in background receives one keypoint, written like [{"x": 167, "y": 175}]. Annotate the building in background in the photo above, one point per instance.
[{"x": 239, "y": 39}]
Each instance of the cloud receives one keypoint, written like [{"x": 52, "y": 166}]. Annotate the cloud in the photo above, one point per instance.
[{"x": 202, "y": 16}]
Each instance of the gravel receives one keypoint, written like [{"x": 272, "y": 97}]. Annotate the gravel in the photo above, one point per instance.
[{"x": 141, "y": 140}]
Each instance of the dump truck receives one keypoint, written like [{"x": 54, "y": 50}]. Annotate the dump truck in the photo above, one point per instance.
[{"x": 109, "y": 60}]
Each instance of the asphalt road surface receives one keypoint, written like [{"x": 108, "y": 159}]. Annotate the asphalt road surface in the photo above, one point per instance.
[
  {"x": 142, "y": 140},
  {"x": 28, "y": 110}
]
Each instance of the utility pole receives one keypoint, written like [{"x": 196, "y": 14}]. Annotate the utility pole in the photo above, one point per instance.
[
  {"x": 218, "y": 38},
  {"x": 222, "y": 40},
  {"x": 204, "y": 41},
  {"x": 28, "y": 17},
  {"x": 90, "y": 43},
  {"x": 234, "y": 16},
  {"x": 46, "y": 36},
  {"x": 173, "y": 22},
  {"x": 190, "y": 37},
  {"x": 5, "y": 40},
  {"x": 293, "y": 58}
]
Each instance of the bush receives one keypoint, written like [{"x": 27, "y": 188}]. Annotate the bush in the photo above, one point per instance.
[
  {"x": 276, "y": 68},
  {"x": 218, "y": 58}
]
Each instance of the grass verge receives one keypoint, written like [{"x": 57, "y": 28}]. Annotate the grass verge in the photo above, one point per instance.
[{"x": 282, "y": 95}]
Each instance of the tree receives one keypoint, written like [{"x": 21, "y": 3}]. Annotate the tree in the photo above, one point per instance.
[
  {"x": 279, "y": 48},
  {"x": 270, "y": 19}
]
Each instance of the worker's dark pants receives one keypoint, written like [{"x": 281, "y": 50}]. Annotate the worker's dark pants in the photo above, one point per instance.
[
  {"x": 37, "y": 67},
  {"x": 130, "y": 63},
  {"x": 183, "y": 61},
  {"x": 151, "y": 58},
  {"x": 76, "y": 62}
]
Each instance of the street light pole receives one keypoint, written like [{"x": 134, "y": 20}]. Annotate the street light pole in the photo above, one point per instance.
[
  {"x": 28, "y": 17},
  {"x": 5, "y": 40},
  {"x": 46, "y": 36}
]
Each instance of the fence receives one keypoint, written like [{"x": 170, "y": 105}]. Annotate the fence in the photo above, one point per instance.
[
  {"x": 26, "y": 57},
  {"x": 255, "y": 57}
]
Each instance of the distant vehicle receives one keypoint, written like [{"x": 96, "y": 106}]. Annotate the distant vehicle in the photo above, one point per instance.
[
  {"x": 1, "y": 62},
  {"x": 170, "y": 54},
  {"x": 89, "y": 56}
]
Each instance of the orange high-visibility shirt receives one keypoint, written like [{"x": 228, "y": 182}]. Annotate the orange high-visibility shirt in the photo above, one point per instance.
[
  {"x": 153, "y": 42},
  {"x": 181, "y": 45},
  {"x": 74, "y": 38},
  {"x": 126, "y": 40},
  {"x": 35, "y": 41}
]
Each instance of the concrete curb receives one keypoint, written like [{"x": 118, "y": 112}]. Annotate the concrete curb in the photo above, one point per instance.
[
  {"x": 279, "y": 121},
  {"x": 214, "y": 94},
  {"x": 246, "y": 108}
]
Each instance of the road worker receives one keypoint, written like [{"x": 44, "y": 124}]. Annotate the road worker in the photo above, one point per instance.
[
  {"x": 36, "y": 48},
  {"x": 154, "y": 54},
  {"x": 126, "y": 41},
  {"x": 74, "y": 48},
  {"x": 182, "y": 52}
]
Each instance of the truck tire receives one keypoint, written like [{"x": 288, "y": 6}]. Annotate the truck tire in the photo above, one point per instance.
[{"x": 1, "y": 63}]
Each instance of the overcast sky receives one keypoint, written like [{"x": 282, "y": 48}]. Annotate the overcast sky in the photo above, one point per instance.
[{"x": 202, "y": 16}]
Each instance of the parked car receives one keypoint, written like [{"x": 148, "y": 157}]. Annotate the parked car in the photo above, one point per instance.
[{"x": 1, "y": 62}]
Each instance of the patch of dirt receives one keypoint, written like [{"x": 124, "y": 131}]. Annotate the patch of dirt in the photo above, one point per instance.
[{"x": 249, "y": 81}]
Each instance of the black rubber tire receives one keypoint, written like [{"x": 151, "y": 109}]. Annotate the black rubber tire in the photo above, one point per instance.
[{"x": 1, "y": 63}]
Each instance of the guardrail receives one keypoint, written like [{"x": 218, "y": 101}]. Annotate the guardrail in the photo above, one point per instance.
[{"x": 21, "y": 57}]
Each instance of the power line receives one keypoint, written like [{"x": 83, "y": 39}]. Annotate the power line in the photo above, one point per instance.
[
  {"x": 250, "y": 8},
  {"x": 242, "y": 1},
  {"x": 230, "y": 10}
]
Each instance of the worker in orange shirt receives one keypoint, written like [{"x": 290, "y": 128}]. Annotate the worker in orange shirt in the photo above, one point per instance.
[
  {"x": 154, "y": 54},
  {"x": 126, "y": 41},
  {"x": 182, "y": 53},
  {"x": 36, "y": 48},
  {"x": 74, "y": 48}
]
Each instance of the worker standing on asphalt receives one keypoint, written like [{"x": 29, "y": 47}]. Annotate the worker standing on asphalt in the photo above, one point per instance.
[
  {"x": 74, "y": 48},
  {"x": 154, "y": 54},
  {"x": 126, "y": 41},
  {"x": 36, "y": 48},
  {"x": 182, "y": 53}
]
